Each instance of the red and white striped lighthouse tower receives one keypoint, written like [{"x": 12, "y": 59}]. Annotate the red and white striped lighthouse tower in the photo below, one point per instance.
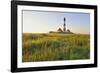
[{"x": 64, "y": 26}]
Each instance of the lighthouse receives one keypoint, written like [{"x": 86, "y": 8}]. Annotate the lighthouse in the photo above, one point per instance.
[
  {"x": 64, "y": 29},
  {"x": 64, "y": 26}
]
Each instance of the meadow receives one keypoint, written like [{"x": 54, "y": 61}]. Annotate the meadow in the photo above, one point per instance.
[{"x": 55, "y": 46}]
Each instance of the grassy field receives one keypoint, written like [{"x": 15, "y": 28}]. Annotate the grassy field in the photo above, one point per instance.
[{"x": 55, "y": 46}]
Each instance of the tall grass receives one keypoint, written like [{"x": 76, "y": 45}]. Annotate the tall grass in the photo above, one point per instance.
[{"x": 52, "y": 47}]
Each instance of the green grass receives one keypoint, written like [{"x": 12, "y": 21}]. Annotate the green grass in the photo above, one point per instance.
[{"x": 53, "y": 46}]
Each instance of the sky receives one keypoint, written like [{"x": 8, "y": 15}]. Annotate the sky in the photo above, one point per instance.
[{"x": 43, "y": 21}]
